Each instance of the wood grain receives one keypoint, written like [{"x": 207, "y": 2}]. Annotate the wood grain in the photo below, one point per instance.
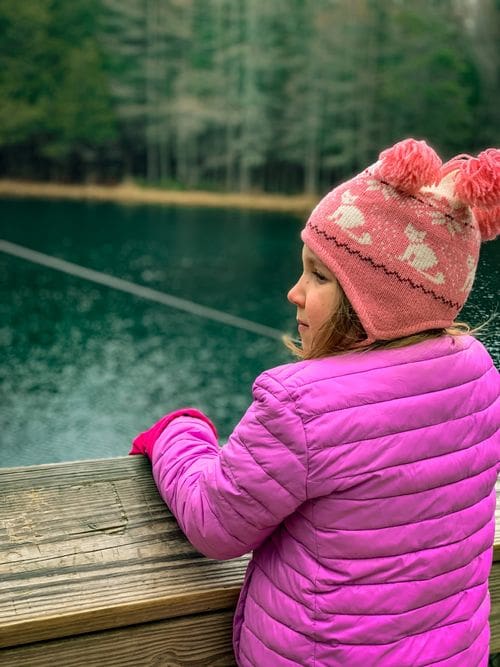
[
  {"x": 169, "y": 643},
  {"x": 496, "y": 546},
  {"x": 495, "y": 608},
  {"x": 90, "y": 545}
]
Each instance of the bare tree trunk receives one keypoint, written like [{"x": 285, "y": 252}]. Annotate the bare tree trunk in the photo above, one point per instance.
[
  {"x": 249, "y": 89},
  {"x": 311, "y": 156},
  {"x": 151, "y": 147}
]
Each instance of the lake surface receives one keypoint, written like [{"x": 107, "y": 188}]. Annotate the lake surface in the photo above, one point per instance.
[{"x": 84, "y": 367}]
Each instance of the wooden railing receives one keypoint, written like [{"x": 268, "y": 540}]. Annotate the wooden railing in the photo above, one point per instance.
[{"x": 95, "y": 571}]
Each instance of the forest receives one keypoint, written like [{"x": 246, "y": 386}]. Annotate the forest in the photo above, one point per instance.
[{"x": 239, "y": 95}]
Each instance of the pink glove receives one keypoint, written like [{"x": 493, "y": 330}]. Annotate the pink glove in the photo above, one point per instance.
[{"x": 144, "y": 442}]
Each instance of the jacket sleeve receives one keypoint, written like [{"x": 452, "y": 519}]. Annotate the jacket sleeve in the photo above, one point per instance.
[{"x": 228, "y": 500}]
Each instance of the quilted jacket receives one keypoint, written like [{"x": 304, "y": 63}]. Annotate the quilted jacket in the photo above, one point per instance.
[{"x": 364, "y": 484}]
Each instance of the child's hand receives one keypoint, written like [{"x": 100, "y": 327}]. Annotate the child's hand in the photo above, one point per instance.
[{"x": 144, "y": 442}]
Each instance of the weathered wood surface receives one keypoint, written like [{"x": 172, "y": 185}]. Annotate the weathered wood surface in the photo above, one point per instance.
[
  {"x": 163, "y": 643},
  {"x": 495, "y": 607},
  {"x": 89, "y": 546},
  {"x": 495, "y": 583}
]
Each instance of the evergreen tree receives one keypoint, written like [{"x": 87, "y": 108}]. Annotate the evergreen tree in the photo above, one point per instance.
[
  {"x": 55, "y": 101},
  {"x": 283, "y": 95}
]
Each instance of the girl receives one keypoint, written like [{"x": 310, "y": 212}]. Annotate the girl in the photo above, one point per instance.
[{"x": 363, "y": 476}]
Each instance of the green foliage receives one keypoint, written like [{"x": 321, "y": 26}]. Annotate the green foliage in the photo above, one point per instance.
[
  {"x": 24, "y": 63},
  {"x": 54, "y": 91},
  {"x": 79, "y": 115},
  {"x": 238, "y": 94},
  {"x": 427, "y": 91}
]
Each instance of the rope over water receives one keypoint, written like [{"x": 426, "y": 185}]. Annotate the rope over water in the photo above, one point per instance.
[{"x": 138, "y": 290}]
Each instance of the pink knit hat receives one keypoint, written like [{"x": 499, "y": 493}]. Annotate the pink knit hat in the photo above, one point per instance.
[{"x": 403, "y": 237}]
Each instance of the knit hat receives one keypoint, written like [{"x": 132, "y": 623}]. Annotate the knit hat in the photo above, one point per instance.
[{"x": 403, "y": 237}]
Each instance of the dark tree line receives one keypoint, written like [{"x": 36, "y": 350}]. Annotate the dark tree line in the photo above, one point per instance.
[{"x": 278, "y": 95}]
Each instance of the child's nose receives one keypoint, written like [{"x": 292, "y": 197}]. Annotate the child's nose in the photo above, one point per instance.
[{"x": 295, "y": 294}]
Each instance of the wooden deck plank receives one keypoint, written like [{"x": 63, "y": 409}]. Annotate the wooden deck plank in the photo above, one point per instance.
[
  {"x": 91, "y": 545},
  {"x": 176, "y": 642},
  {"x": 494, "y": 585}
]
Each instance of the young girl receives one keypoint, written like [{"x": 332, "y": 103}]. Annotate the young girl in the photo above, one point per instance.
[{"x": 363, "y": 476}]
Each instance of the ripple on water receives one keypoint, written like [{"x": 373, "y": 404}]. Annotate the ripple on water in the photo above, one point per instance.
[{"x": 84, "y": 367}]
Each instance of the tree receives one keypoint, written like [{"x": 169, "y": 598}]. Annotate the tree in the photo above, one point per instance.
[
  {"x": 55, "y": 101},
  {"x": 480, "y": 26},
  {"x": 24, "y": 74},
  {"x": 239, "y": 94}
]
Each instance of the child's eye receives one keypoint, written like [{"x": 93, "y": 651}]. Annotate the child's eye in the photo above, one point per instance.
[{"x": 319, "y": 276}]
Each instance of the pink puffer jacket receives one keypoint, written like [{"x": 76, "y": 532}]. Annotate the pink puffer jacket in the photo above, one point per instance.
[{"x": 365, "y": 484}]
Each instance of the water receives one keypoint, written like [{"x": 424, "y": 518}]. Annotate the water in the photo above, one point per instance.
[{"x": 85, "y": 367}]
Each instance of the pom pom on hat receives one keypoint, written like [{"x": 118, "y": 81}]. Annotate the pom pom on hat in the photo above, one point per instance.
[
  {"x": 477, "y": 182},
  {"x": 409, "y": 165},
  {"x": 488, "y": 221}
]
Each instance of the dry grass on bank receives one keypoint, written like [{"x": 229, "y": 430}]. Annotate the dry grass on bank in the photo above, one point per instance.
[{"x": 130, "y": 193}]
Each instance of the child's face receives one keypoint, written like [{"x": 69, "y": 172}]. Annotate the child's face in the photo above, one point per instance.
[{"x": 316, "y": 296}]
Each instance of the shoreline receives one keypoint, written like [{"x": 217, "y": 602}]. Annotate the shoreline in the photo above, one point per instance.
[{"x": 129, "y": 193}]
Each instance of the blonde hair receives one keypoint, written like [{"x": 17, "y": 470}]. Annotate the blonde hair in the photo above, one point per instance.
[{"x": 343, "y": 332}]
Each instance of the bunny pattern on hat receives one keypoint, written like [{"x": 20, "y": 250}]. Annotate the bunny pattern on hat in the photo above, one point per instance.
[{"x": 403, "y": 236}]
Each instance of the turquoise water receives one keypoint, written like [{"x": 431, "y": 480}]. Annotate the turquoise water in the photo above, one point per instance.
[{"x": 84, "y": 367}]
